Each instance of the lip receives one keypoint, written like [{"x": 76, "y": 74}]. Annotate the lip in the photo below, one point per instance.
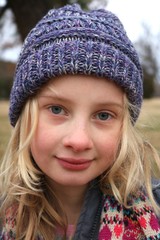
[{"x": 73, "y": 163}]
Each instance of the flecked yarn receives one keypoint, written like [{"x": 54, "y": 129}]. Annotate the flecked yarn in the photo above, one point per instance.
[{"x": 69, "y": 40}]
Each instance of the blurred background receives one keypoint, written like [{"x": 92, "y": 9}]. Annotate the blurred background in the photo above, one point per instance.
[{"x": 141, "y": 21}]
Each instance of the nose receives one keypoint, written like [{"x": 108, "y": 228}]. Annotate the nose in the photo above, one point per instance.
[{"x": 78, "y": 138}]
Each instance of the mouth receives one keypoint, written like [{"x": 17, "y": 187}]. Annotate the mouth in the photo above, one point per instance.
[{"x": 74, "y": 164}]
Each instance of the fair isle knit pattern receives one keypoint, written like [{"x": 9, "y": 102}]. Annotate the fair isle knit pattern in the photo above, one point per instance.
[
  {"x": 71, "y": 41},
  {"x": 117, "y": 222},
  {"x": 137, "y": 223}
]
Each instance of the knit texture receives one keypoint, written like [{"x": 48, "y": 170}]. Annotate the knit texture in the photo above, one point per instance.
[
  {"x": 120, "y": 223},
  {"x": 71, "y": 41},
  {"x": 117, "y": 222}
]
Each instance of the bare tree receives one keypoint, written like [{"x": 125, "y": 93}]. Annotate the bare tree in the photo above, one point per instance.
[
  {"x": 28, "y": 12},
  {"x": 146, "y": 46}
]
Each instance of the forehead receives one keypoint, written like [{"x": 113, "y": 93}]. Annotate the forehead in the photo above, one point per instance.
[{"x": 87, "y": 85}]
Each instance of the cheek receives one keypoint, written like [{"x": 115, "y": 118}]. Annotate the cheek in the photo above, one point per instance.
[
  {"x": 108, "y": 155},
  {"x": 40, "y": 144},
  {"x": 109, "y": 147}
]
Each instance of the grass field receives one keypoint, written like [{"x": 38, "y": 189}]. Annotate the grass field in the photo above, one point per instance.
[
  {"x": 148, "y": 123},
  {"x": 5, "y": 129}
]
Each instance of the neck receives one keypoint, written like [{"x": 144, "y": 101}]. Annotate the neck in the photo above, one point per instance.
[{"x": 71, "y": 198}]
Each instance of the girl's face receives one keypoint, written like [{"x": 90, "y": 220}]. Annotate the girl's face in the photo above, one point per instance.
[{"x": 79, "y": 128}]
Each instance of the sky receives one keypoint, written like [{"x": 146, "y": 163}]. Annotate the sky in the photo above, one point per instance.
[
  {"x": 2, "y": 2},
  {"x": 132, "y": 13}
]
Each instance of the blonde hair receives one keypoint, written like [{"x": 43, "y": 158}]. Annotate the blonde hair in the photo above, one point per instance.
[
  {"x": 137, "y": 162},
  {"x": 23, "y": 184}
]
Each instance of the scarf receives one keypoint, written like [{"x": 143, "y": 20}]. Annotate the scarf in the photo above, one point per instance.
[{"x": 137, "y": 222}]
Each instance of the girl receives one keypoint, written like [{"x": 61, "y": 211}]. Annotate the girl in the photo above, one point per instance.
[{"x": 75, "y": 167}]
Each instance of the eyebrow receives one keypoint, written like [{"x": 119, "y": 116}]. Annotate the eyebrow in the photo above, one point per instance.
[
  {"x": 109, "y": 103},
  {"x": 64, "y": 99}
]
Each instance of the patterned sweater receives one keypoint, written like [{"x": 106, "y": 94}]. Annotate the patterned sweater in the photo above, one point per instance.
[{"x": 116, "y": 222}]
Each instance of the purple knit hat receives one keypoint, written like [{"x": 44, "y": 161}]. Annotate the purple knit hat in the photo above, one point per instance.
[{"x": 70, "y": 41}]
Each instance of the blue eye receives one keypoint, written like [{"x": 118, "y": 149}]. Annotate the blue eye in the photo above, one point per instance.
[
  {"x": 57, "y": 110},
  {"x": 103, "y": 116}
]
